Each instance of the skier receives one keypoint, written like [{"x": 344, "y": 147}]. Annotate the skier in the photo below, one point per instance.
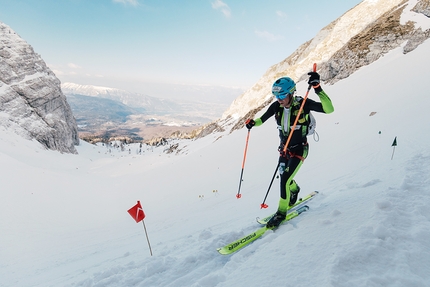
[{"x": 285, "y": 110}]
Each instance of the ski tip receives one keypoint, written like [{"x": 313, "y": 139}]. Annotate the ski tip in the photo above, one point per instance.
[{"x": 223, "y": 251}]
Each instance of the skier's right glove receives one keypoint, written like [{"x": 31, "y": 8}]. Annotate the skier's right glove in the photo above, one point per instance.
[
  {"x": 249, "y": 123},
  {"x": 314, "y": 81}
]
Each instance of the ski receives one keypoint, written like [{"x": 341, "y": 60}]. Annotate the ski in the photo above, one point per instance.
[
  {"x": 297, "y": 205},
  {"x": 244, "y": 241}
]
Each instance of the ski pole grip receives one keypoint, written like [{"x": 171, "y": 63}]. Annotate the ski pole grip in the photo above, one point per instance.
[{"x": 314, "y": 69}]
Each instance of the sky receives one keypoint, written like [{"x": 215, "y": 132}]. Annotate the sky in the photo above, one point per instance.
[
  {"x": 64, "y": 220},
  {"x": 151, "y": 47}
]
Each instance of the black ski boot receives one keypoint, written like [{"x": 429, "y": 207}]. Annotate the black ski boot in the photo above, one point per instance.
[
  {"x": 276, "y": 219},
  {"x": 293, "y": 197}
]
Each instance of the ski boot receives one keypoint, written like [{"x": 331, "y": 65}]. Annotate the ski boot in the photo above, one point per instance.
[
  {"x": 277, "y": 218},
  {"x": 293, "y": 196}
]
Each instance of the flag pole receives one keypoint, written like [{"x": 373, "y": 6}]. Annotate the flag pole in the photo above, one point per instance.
[
  {"x": 138, "y": 215},
  {"x": 394, "y": 144},
  {"x": 147, "y": 238},
  {"x": 392, "y": 155}
]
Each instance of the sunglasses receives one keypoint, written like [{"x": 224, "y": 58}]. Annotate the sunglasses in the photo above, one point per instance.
[{"x": 283, "y": 97}]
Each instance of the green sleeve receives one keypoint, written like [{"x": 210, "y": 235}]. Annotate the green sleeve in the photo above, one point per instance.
[
  {"x": 258, "y": 122},
  {"x": 326, "y": 102}
]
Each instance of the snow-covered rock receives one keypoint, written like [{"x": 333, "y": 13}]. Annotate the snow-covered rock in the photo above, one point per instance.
[{"x": 31, "y": 98}]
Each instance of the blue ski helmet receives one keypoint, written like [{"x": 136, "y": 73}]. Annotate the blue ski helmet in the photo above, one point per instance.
[{"x": 283, "y": 87}]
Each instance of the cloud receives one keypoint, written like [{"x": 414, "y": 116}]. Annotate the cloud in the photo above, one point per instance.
[
  {"x": 73, "y": 66},
  {"x": 268, "y": 36},
  {"x": 281, "y": 14},
  {"x": 224, "y": 8},
  {"x": 125, "y": 2}
]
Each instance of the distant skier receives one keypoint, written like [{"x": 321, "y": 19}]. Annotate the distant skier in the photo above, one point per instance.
[{"x": 285, "y": 110}]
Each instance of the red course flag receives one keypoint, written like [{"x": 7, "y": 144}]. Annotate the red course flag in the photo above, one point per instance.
[{"x": 137, "y": 212}]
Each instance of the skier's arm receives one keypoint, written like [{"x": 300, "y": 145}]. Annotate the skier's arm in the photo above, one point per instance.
[
  {"x": 325, "y": 106},
  {"x": 258, "y": 122},
  {"x": 270, "y": 112},
  {"x": 325, "y": 102}
]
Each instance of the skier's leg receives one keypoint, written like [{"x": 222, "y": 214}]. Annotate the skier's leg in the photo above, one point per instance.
[
  {"x": 288, "y": 184},
  {"x": 287, "y": 181}
]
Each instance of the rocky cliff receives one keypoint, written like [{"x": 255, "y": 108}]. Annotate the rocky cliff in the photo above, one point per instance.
[{"x": 31, "y": 100}]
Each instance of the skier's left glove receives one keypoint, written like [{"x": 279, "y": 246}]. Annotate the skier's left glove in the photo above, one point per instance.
[
  {"x": 314, "y": 80},
  {"x": 249, "y": 124}
]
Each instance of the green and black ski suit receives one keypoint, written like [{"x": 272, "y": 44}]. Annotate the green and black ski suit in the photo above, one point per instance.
[{"x": 298, "y": 147}]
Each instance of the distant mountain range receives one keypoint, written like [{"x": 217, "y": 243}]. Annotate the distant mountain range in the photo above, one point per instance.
[
  {"x": 92, "y": 111},
  {"x": 139, "y": 102},
  {"x": 102, "y": 109}
]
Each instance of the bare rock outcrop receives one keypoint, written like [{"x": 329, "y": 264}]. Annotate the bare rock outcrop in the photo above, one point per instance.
[{"x": 31, "y": 100}]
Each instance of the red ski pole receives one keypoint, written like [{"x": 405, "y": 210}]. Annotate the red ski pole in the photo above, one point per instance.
[{"x": 238, "y": 195}]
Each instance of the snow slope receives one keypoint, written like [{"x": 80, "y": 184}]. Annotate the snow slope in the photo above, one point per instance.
[{"x": 64, "y": 220}]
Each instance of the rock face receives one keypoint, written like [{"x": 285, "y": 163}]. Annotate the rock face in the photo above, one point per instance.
[
  {"x": 31, "y": 100},
  {"x": 383, "y": 35},
  {"x": 359, "y": 37}
]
